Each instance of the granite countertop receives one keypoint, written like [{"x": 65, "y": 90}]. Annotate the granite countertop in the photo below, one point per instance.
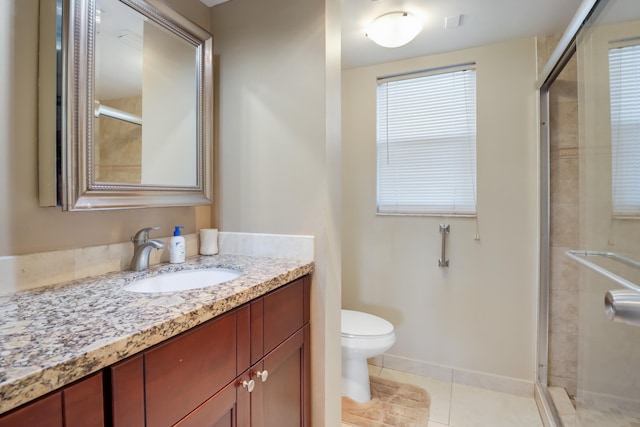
[{"x": 54, "y": 335}]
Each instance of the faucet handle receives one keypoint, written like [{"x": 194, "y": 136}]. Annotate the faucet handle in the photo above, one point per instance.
[{"x": 143, "y": 235}]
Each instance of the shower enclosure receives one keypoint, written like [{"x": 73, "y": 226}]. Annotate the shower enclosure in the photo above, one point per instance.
[{"x": 589, "y": 307}]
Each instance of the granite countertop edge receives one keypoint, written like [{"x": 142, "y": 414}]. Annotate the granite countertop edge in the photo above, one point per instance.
[{"x": 55, "y": 335}]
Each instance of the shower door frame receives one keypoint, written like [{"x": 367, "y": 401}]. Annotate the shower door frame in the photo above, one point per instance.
[{"x": 559, "y": 58}]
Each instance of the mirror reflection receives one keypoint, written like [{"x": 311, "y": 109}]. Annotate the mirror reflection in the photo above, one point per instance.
[
  {"x": 145, "y": 101},
  {"x": 132, "y": 102}
]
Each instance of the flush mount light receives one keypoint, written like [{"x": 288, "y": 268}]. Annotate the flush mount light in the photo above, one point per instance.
[
  {"x": 394, "y": 29},
  {"x": 99, "y": 13},
  {"x": 213, "y": 2}
]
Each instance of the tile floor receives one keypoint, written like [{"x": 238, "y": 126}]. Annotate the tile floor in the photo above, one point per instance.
[{"x": 458, "y": 405}]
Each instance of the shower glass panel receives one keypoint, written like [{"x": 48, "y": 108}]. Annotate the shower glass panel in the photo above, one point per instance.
[{"x": 608, "y": 71}]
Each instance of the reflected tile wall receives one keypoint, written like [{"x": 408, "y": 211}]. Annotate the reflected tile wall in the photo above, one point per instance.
[
  {"x": 119, "y": 154},
  {"x": 565, "y": 223}
]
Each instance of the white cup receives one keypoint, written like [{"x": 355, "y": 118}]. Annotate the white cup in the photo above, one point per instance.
[{"x": 208, "y": 241}]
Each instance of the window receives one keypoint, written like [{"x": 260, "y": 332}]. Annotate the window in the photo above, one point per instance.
[
  {"x": 426, "y": 143},
  {"x": 624, "y": 86}
]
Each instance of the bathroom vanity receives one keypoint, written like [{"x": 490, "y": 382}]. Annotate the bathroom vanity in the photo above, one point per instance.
[{"x": 247, "y": 364}]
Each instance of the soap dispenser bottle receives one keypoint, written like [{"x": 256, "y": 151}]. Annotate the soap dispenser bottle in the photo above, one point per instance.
[{"x": 176, "y": 247}]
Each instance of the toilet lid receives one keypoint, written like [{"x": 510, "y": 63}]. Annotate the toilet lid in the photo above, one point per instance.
[{"x": 357, "y": 323}]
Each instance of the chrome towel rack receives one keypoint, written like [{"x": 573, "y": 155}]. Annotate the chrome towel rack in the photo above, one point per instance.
[{"x": 114, "y": 113}]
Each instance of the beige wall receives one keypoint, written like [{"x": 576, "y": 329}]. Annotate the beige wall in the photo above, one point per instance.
[
  {"x": 278, "y": 152},
  {"x": 169, "y": 77},
  {"x": 24, "y": 226},
  {"x": 278, "y": 149},
  {"x": 480, "y": 314}
]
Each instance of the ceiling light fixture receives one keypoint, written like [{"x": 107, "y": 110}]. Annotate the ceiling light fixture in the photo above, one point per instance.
[
  {"x": 394, "y": 29},
  {"x": 211, "y": 3}
]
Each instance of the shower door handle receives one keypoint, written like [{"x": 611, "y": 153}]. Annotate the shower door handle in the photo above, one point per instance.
[{"x": 623, "y": 306}]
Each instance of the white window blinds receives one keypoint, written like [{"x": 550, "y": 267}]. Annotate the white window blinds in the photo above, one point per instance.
[
  {"x": 624, "y": 81},
  {"x": 426, "y": 143}
]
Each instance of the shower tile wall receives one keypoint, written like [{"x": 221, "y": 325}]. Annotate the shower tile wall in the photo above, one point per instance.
[
  {"x": 565, "y": 221},
  {"x": 119, "y": 157}
]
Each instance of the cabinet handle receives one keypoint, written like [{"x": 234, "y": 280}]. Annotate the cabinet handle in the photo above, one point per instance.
[
  {"x": 263, "y": 375},
  {"x": 249, "y": 385}
]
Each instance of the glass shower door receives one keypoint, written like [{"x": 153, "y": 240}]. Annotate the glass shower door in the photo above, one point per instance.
[{"x": 608, "y": 60}]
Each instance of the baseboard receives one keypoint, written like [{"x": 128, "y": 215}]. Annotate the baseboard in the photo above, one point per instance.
[{"x": 459, "y": 376}]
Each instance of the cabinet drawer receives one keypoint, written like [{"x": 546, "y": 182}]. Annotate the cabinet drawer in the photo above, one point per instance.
[
  {"x": 77, "y": 405},
  {"x": 186, "y": 371},
  {"x": 127, "y": 392},
  {"x": 83, "y": 403},
  {"x": 275, "y": 317},
  {"x": 45, "y": 412}
]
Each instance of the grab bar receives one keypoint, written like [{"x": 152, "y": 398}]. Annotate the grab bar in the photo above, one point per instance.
[{"x": 443, "y": 261}]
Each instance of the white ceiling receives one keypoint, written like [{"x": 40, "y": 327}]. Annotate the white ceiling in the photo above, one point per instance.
[
  {"x": 483, "y": 22},
  {"x": 119, "y": 35}
]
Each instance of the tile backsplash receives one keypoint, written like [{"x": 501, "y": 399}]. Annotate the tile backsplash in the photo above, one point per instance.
[
  {"x": 30, "y": 271},
  {"x": 267, "y": 245}
]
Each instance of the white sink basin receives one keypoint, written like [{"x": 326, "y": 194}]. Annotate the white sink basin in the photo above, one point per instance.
[{"x": 183, "y": 280}]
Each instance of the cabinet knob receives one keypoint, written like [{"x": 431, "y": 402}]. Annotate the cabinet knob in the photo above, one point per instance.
[
  {"x": 249, "y": 385},
  {"x": 263, "y": 375}
]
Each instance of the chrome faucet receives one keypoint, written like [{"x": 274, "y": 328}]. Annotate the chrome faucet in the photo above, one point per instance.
[{"x": 142, "y": 246}]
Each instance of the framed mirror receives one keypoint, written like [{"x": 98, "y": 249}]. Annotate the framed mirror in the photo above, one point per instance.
[{"x": 135, "y": 107}]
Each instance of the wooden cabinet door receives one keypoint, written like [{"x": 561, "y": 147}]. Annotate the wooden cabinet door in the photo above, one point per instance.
[
  {"x": 219, "y": 411},
  {"x": 281, "y": 399}
]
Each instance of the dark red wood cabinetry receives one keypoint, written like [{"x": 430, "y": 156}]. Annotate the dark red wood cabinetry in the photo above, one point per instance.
[
  {"x": 83, "y": 403},
  {"x": 76, "y": 405},
  {"x": 44, "y": 412},
  {"x": 281, "y": 374},
  {"x": 280, "y": 399},
  {"x": 249, "y": 367},
  {"x": 183, "y": 373},
  {"x": 126, "y": 384}
]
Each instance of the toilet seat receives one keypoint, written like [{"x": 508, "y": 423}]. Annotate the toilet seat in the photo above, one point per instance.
[{"x": 356, "y": 324}]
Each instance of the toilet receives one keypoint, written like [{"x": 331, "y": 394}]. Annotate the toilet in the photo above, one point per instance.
[{"x": 363, "y": 336}]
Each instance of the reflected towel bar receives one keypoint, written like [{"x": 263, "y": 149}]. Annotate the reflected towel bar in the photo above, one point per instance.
[
  {"x": 103, "y": 110},
  {"x": 582, "y": 255}
]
